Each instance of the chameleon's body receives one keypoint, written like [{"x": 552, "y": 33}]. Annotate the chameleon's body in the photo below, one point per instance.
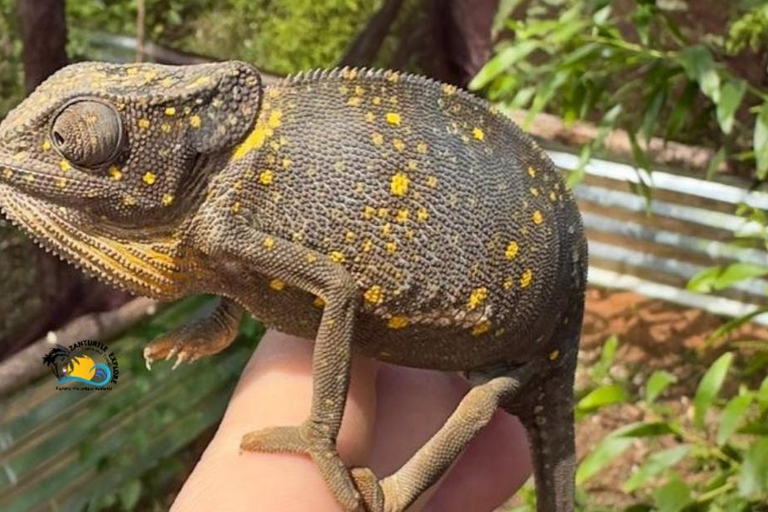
[{"x": 376, "y": 212}]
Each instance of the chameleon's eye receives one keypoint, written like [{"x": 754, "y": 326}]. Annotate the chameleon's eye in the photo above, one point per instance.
[{"x": 88, "y": 133}]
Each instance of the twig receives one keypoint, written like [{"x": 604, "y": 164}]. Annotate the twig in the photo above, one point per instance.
[
  {"x": 367, "y": 43},
  {"x": 27, "y": 365},
  {"x": 141, "y": 17}
]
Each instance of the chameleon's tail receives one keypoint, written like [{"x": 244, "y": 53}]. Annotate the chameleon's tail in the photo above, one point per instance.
[{"x": 547, "y": 414}]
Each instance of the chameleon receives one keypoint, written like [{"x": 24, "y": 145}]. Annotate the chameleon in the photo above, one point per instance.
[{"x": 377, "y": 212}]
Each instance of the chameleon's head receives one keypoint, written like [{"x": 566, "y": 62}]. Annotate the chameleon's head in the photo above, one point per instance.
[{"x": 117, "y": 150}]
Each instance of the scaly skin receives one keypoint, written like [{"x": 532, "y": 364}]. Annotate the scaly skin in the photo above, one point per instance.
[{"x": 376, "y": 212}]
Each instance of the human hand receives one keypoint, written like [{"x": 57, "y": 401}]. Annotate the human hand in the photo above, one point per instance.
[{"x": 391, "y": 411}]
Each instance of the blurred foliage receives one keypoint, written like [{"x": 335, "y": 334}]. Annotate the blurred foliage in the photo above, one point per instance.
[
  {"x": 706, "y": 454},
  {"x": 279, "y": 36},
  {"x": 633, "y": 65}
]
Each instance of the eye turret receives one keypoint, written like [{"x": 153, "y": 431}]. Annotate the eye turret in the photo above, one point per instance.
[{"x": 87, "y": 132}]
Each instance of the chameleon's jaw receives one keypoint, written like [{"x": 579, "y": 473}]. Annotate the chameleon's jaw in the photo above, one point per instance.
[{"x": 149, "y": 268}]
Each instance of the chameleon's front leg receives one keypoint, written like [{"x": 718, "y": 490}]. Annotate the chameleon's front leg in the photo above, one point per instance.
[
  {"x": 315, "y": 273},
  {"x": 202, "y": 338}
]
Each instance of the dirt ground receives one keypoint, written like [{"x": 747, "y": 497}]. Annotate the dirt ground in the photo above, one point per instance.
[{"x": 653, "y": 335}]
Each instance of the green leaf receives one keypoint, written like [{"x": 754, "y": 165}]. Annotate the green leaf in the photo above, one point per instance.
[
  {"x": 502, "y": 62},
  {"x": 762, "y": 395},
  {"x": 700, "y": 67},
  {"x": 719, "y": 278},
  {"x": 606, "y": 450},
  {"x": 733, "y": 414},
  {"x": 673, "y": 497},
  {"x": 731, "y": 96},
  {"x": 716, "y": 162},
  {"x": 709, "y": 387},
  {"x": 760, "y": 141},
  {"x": 602, "y": 396},
  {"x": 753, "y": 477},
  {"x": 682, "y": 111},
  {"x": 129, "y": 494},
  {"x": 655, "y": 464},
  {"x": 657, "y": 383}
]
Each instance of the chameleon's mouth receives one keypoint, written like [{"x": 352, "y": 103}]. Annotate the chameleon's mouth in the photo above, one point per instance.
[{"x": 149, "y": 268}]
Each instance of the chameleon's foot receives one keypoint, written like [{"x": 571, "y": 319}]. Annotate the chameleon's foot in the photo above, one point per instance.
[
  {"x": 368, "y": 486},
  {"x": 202, "y": 338},
  {"x": 308, "y": 440}
]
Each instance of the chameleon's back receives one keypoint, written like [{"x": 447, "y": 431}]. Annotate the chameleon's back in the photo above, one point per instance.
[{"x": 453, "y": 222}]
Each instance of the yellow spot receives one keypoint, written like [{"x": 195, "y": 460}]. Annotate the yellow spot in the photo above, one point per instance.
[
  {"x": 531, "y": 172},
  {"x": 402, "y": 215},
  {"x": 7, "y": 173},
  {"x": 129, "y": 200},
  {"x": 170, "y": 111},
  {"x": 359, "y": 90},
  {"x": 397, "y": 322},
  {"x": 481, "y": 328},
  {"x": 255, "y": 140},
  {"x": 167, "y": 199},
  {"x": 46, "y": 145},
  {"x": 374, "y": 295},
  {"x": 29, "y": 178},
  {"x": 370, "y": 116},
  {"x": 132, "y": 71},
  {"x": 286, "y": 163},
  {"x": 236, "y": 207},
  {"x": 412, "y": 165},
  {"x": 276, "y": 284},
  {"x": 64, "y": 165},
  {"x": 431, "y": 181},
  {"x": 537, "y": 217},
  {"x": 392, "y": 76},
  {"x": 349, "y": 236},
  {"x": 265, "y": 178},
  {"x": 383, "y": 212},
  {"x": 273, "y": 93},
  {"x": 422, "y": 214},
  {"x": 339, "y": 166},
  {"x": 393, "y": 118},
  {"x": 449, "y": 90},
  {"x": 165, "y": 127},
  {"x": 552, "y": 196},
  {"x": 386, "y": 229},
  {"x": 508, "y": 283},
  {"x": 477, "y": 297},
  {"x": 512, "y": 249},
  {"x": 391, "y": 247},
  {"x": 399, "y": 184},
  {"x": 554, "y": 355},
  {"x": 478, "y": 133},
  {"x": 534, "y": 191},
  {"x": 399, "y": 144},
  {"x": 275, "y": 119},
  {"x": 318, "y": 302},
  {"x": 421, "y": 147},
  {"x": 311, "y": 258},
  {"x": 268, "y": 243},
  {"x": 61, "y": 182},
  {"x": 354, "y": 101},
  {"x": 376, "y": 100},
  {"x": 369, "y": 212},
  {"x": 367, "y": 246},
  {"x": 238, "y": 185},
  {"x": 337, "y": 257},
  {"x": 359, "y": 187},
  {"x": 195, "y": 121},
  {"x": 144, "y": 123},
  {"x": 377, "y": 138},
  {"x": 525, "y": 279},
  {"x": 149, "y": 178}
]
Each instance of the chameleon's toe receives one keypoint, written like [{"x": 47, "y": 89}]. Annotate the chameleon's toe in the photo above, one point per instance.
[
  {"x": 275, "y": 440},
  {"x": 368, "y": 486}
]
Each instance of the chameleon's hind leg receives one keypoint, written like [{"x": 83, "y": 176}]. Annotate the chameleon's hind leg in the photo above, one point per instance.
[
  {"x": 398, "y": 491},
  {"x": 201, "y": 338}
]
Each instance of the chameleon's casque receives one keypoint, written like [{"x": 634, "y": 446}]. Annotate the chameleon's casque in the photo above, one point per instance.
[{"x": 374, "y": 211}]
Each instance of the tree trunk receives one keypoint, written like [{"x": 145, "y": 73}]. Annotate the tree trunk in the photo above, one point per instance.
[
  {"x": 44, "y": 38},
  {"x": 460, "y": 36}
]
